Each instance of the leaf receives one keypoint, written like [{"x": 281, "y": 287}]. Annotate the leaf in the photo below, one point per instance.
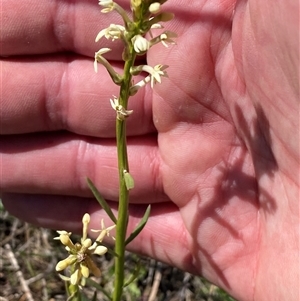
[
  {"x": 101, "y": 200},
  {"x": 139, "y": 227},
  {"x": 129, "y": 181}
]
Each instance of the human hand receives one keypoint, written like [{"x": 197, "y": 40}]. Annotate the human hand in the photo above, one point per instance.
[{"x": 213, "y": 148}]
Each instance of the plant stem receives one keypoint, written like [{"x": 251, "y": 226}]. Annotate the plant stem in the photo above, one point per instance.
[{"x": 122, "y": 220}]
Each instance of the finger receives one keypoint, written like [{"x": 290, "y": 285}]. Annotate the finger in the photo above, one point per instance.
[
  {"x": 64, "y": 92},
  {"x": 58, "y": 163},
  {"x": 35, "y": 27}
]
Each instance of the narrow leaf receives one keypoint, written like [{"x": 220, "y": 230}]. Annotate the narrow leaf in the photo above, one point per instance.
[
  {"x": 139, "y": 227},
  {"x": 101, "y": 201}
]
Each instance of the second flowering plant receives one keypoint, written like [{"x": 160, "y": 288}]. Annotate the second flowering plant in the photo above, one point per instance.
[{"x": 136, "y": 34}]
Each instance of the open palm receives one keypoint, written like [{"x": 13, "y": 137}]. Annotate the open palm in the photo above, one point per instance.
[{"x": 213, "y": 148}]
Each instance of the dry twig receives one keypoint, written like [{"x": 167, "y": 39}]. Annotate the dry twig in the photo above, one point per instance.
[{"x": 19, "y": 273}]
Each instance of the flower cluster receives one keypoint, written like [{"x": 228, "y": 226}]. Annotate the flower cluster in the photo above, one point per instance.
[
  {"x": 147, "y": 16},
  {"x": 80, "y": 254}
]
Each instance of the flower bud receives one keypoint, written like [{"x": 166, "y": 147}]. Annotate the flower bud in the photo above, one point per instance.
[
  {"x": 100, "y": 250},
  {"x": 86, "y": 218},
  {"x": 75, "y": 277},
  {"x": 154, "y": 8},
  {"x": 63, "y": 264},
  {"x": 87, "y": 243},
  {"x": 84, "y": 271},
  {"x": 140, "y": 44}
]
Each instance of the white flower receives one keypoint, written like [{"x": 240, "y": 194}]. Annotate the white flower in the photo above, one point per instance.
[
  {"x": 99, "y": 58},
  {"x": 154, "y": 76},
  {"x": 166, "y": 37},
  {"x": 155, "y": 73},
  {"x": 108, "y": 4},
  {"x": 121, "y": 112},
  {"x": 140, "y": 44},
  {"x": 114, "y": 31},
  {"x": 104, "y": 231}
]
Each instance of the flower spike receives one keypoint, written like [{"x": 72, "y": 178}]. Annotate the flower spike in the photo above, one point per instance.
[{"x": 145, "y": 17}]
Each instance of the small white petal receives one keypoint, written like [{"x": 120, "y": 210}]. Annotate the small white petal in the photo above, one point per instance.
[
  {"x": 100, "y": 34},
  {"x": 106, "y": 2},
  {"x": 102, "y": 51}
]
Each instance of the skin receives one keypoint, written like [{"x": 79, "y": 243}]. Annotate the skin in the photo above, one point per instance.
[{"x": 214, "y": 148}]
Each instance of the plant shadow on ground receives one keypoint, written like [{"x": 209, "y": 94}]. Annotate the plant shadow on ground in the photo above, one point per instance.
[{"x": 29, "y": 254}]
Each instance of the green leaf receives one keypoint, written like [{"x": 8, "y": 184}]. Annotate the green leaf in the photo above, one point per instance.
[
  {"x": 129, "y": 182},
  {"x": 139, "y": 227},
  {"x": 101, "y": 201}
]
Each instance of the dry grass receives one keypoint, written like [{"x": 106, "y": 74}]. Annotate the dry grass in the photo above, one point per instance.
[{"x": 28, "y": 256}]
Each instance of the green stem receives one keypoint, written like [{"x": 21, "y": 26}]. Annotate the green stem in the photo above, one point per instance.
[{"x": 122, "y": 221}]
